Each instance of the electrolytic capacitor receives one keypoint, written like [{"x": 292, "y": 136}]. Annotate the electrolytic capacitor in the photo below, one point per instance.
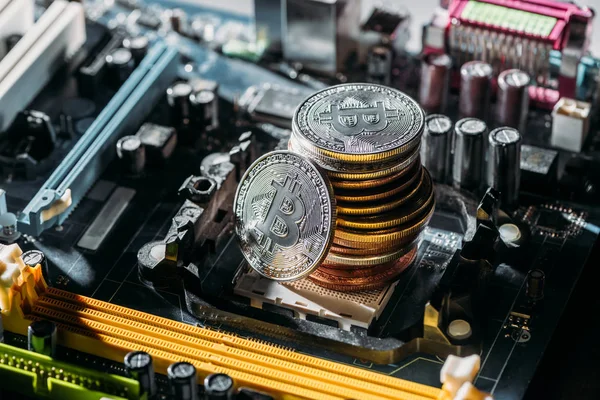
[
  {"x": 435, "y": 146},
  {"x": 218, "y": 387},
  {"x": 41, "y": 337},
  {"x": 512, "y": 101},
  {"x": 536, "y": 279},
  {"x": 469, "y": 153},
  {"x": 475, "y": 89},
  {"x": 140, "y": 367},
  {"x": 504, "y": 164},
  {"x": 182, "y": 379},
  {"x": 205, "y": 106},
  {"x": 32, "y": 258},
  {"x": 178, "y": 97},
  {"x": 179, "y": 22},
  {"x": 138, "y": 46},
  {"x": 379, "y": 65},
  {"x": 435, "y": 79},
  {"x": 120, "y": 65},
  {"x": 132, "y": 154}
]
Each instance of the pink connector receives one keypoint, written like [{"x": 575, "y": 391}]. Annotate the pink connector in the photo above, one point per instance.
[{"x": 493, "y": 29}]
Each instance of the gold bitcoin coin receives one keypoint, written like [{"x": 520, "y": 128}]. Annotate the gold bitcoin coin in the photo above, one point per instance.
[
  {"x": 345, "y": 284},
  {"x": 358, "y": 272},
  {"x": 372, "y": 183},
  {"x": 355, "y": 176},
  {"x": 396, "y": 217},
  {"x": 361, "y": 242},
  {"x": 381, "y": 206},
  {"x": 340, "y": 167},
  {"x": 341, "y": 261},
  {"x": 384, "y": 235},
  {"x": 369, "y": 251},
  {"x": 381, "y": 192}
]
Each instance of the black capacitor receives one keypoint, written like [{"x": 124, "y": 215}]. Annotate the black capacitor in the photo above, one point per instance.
[
  {"x": 11, "y": 41},
  {"x": 512, "y": 102},
  {"x": 138, "y": 46},
  {"x": 35, "y": 257},
  {"x": 379, "y": 65},
  {"x": 159, "y": 142},
  {"x": 469, "y": 153},
  {"x": 120, "y": 65},
  {"x": 182, "y": 379},
  {"x": 178, "y": 97},
  {"x": 205, "y": 106},
  {"x": 435, "y": 80},
  {"x": 132, "y": 153},
  {"x": 218, "y": 387},
  {"x": 67, "y": 127},
  {"x": 475, "y": 89},
  {"x": 41, "y": 337},
  {"x": 536, "y": 280},
  {"x": 178, "y": 20},
  {"x": 435, "y": 146},
  {"x": 504, "y": 164},
  {"x": 139, "y": 366}
]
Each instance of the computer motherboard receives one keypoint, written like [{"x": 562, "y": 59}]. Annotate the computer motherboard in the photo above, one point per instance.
[{"x": 434, "y": 209}]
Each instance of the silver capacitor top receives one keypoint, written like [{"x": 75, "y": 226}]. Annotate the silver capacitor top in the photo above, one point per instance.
[
  {"x": 435, "y": 146},
  {"x": 475, "y": 89},
  {"x": 503, "y": 169},
  {"x": 469, "y": 153}
]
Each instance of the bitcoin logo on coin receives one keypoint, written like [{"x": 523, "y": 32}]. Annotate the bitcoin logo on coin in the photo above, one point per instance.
[
  {"x": 352, "y": 117},
  {"x": 284, "y": 216},
  {"x": 280, "y": 227},
  {"x": 358, "y": 122}
]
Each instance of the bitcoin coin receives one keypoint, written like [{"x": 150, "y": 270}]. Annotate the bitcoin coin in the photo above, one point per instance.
[
  {"x": 399, "y": 166},
  {"x": 382, "y": 192},
  {"x": 359, "y": 122},
  {"x": 342, "y": 167},
  {"x": 377, "y": 207},
  {"x": 284, "y": 216},
  {"x": 384, "y": 235},
  {"x": 372, "y": 183},
  {"x": 360, "y": 243},
  {"x": 395, "y": 217},
  {"x": 358, "y": 272},
  {"x": 369, "y": 251},
  {"x": 345, "y": 284},
  {"x": 340, "y": 261}
]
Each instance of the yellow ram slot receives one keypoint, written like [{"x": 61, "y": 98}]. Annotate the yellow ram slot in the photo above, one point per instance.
[
  {"x": 220, "y": 338},
  {"x": 115, "y": 349},
  {"x": 102, "y": 322},
  {"x": 111, "y": 331}
]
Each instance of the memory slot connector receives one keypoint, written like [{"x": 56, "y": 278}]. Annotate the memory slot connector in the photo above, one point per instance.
[
  {"x": 84, "y": 164},
  {"x": 110, "y": 331},
  {"x": 16, "y": 18},
  {"x": 36, "y": 375},
  {"x": 56, "y": 36},
  {"x": 520, "y": 34}
]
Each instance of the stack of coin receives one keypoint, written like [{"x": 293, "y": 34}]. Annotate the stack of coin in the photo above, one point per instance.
[{"x": 366, "y": 138}]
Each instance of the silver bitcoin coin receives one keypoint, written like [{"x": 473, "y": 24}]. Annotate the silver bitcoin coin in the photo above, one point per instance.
[
  {"x": 285, "y": 215},
  {"x": 359, "y": 122}
]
